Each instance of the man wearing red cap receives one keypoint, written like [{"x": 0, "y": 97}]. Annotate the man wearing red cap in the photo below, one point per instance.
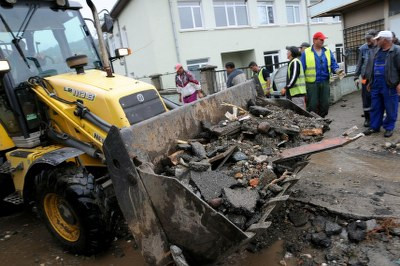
[{"x": 318, "y": 63}]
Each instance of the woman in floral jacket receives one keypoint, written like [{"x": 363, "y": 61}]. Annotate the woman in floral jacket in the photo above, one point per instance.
[{"x": 186, "y": 85}]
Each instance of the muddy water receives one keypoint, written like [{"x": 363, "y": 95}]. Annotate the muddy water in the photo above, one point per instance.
[
  {"x": 29, "y": 243},
  {"x": 270, "y": 256}
]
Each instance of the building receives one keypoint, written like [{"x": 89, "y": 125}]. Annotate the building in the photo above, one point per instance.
[
  {"x": 358, "y": 17},
  {"x": 213, "y": 32}
]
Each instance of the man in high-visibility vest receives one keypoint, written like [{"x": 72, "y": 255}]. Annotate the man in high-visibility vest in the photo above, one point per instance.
[
  {"x": 295, "y": 89},
  {"x": 318, "y": 64},
  {"x": 263, "y": 77}
]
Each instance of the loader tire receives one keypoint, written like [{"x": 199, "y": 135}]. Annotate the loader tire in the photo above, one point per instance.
[
  {"x": 69, "y": 203},
  {"x": 6, "y": 188}
]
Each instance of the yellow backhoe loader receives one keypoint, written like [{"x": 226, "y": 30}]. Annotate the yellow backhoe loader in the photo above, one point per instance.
[{"x": 58, "y": 100}]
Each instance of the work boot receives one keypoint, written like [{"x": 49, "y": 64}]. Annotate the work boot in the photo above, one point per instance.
[
  {"x": 388, "y": 133},
  {"x": 367, "y": 119},
  {"x": 370, "y": 131}
]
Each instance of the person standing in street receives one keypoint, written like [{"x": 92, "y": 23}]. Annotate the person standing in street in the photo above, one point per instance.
[
  {"x": 318, "y": 64},
  {"x": 364, "y": 52},
  {"x": 304, "y": 46},
  {"x": 235, "y": 76},
  {"x": 383, "y": 80},
  {"x": 295, "y": 89},
  {"x": 187, "y": 86},
  {"x": 263, "y": 77}
]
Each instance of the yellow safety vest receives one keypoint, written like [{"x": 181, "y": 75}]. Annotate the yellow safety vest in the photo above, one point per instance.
[
  {"x": 311, "y": 73},
  {"x": 300, "y": 86},
  {"x": 263, "y": 82}
]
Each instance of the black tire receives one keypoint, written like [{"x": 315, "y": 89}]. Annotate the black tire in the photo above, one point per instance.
[
  {"x": 6, "y": 188},
  {"x": 79, "y": 203}
]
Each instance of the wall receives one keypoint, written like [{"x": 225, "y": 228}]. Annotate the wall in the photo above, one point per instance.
[
  {"x": 151, "y": 37},
  {"x": 340, "y": 88},
  {"x": 361, "y": 15}
]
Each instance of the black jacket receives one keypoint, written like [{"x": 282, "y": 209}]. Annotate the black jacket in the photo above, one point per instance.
[{"x": 392, "y": 66}]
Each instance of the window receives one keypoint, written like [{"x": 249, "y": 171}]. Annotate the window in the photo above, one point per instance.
[
  {"x": 194, "y": 65},
  {"x": 271, "y": 60},
  {"x": 266, "y": 12},
  {"x": 190, "y": 15},
  {"x": 230, "y": 13},
  {"x": 317, "y": 20},
  {"x": 339, "y": 52},
  {"x": 337, "y": 19},
  {"x": 293, "y": 12}
]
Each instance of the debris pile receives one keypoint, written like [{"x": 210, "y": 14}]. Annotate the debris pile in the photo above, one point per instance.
[{"x": 231, "y": 165}]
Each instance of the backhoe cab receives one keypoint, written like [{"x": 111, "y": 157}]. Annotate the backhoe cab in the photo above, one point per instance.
[{"x": 58, "y": 100}]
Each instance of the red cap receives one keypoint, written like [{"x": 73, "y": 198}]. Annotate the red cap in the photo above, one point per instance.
[{"x": 319, "y": 35}]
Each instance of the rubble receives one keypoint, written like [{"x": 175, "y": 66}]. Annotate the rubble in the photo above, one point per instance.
[
  {"x": 241, "y": 200},
  {"x": 210, "y": 184},
  {"x": 230, "y": 162}
]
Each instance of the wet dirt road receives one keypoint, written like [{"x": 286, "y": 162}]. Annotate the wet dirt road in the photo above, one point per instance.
[{"x": 342, "y": 179}]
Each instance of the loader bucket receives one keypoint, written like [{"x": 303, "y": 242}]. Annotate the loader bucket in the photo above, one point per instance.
[{"x": 161, "y": 211}]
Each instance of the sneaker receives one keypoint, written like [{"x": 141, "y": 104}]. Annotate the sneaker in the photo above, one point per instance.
[
  {"x": 388, "y": 133},
  {"x": 370, "y": 131}
]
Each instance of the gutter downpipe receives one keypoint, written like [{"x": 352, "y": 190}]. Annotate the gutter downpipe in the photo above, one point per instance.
[
  {"x": 122, "y": 45},
  {"x": 173, "y": 24},
  {"x": 308, "y": 23}
]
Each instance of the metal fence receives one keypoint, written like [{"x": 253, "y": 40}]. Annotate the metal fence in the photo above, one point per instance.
[{"x": 354, "y": 37}]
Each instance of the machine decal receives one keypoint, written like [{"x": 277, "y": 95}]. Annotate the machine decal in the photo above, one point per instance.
[
  {"x": 81, "y": 94},
  {"x": 98, "y": 137}
]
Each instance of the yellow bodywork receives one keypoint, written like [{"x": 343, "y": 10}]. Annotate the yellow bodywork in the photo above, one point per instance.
[
  {"x": 5, "y": 140},
  {"x": 98, "y": 93}
]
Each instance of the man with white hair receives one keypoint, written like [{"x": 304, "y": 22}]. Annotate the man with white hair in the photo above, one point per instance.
[{"x": 383, "y": 80}]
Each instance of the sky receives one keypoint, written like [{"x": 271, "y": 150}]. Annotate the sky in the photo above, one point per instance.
[{"x": 100, "y": 4}]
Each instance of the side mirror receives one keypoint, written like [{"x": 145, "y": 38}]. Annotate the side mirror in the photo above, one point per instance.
[
  {"x": 4, "y": 66},
  {"x": 121, "y": 52},
  {"x": 108, "y": 24}
]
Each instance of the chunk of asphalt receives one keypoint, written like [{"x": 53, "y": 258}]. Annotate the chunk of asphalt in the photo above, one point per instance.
[
  {"x": 321, "y": 240},
  {"x": 184, "y": 146},
  {"x": 237, "y": 219},
  {"x": 298, "y": 218},
  {"x": 201, "y": 166},
  {"x": 241, "y": 200},
  {"x": 357, "y": 231},
  {"x": 239, "y": 156},
  {"x": 258, "y": 110},
  {"x": 210, "y": 183},
  {"x": 332, "y": 228},
  {"x": 198, "y": 150}
]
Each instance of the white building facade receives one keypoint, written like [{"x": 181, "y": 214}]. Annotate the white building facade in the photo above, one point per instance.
[{"x": 162, "y": 33}]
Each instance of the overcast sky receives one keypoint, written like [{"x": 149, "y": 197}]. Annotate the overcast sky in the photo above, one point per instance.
[{"x": 100, "y": 4}]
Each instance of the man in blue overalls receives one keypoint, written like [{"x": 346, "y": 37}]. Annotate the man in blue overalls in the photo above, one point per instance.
[{"x": 383, "y": 79}]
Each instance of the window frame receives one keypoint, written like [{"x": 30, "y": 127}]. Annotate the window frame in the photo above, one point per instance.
[
  {"x": 234, "y": 4},
  {"x": 186, "y": 4},
  {"x": 293, "y": 4},
  {"x": 265, "y": 5}
]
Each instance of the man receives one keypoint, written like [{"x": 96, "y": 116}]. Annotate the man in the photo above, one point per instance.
[
  {"x": 364, "y": 52},
  {"x": 235, "y": 76},
  {"x": 383, "y": 80},
  {"x": 263, "y": 77},
  {"x": 395, "y": 39},
  {"x": 295, "y": 89},
  {"x": 318, "y": 63},
  {"x": 187, "y": 86},
  {"x": 304, "y": 46}
]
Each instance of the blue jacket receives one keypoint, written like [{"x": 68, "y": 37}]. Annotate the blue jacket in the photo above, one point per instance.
[
  {"x": 362, "y": 60},
  {"x": 321, "y": 69}
]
